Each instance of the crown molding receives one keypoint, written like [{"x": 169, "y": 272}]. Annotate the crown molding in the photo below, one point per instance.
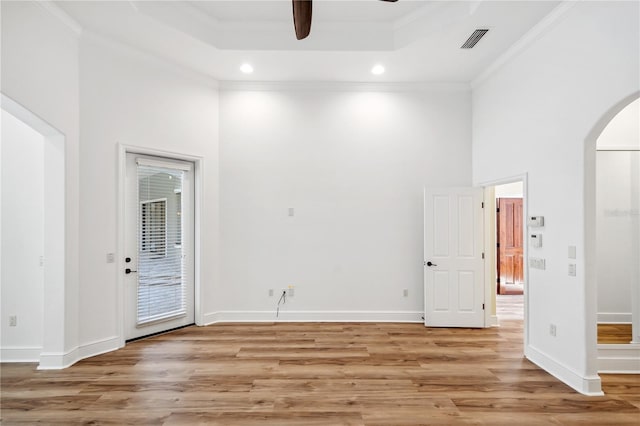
[
  {"x": 535, "y": 33},
  {"x": 61, "y": 15},
  {"x": 340, "y": 86}
]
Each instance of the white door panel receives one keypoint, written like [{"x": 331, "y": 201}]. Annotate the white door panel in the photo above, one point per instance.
[
  {"x": 454, "y": 265},
  {"x": 159, "y": 227}
]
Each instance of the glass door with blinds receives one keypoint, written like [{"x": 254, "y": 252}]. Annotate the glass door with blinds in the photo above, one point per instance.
[{"x": 159, "y": 241}]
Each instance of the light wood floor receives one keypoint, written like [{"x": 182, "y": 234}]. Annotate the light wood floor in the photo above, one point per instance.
[
  {"x": 510, "y": 306},
  {"x": 614, "y": 333},
  {"x": 312, "y": 374}
]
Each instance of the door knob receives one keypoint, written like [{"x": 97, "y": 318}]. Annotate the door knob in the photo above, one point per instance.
[
  {"x": 128, "y": 271},
  {"x": 431, "y": 264}
]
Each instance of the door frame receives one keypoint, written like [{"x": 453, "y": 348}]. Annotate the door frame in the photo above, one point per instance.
[
  {"x": 490, "y": 241},
  {"x": 197, "y": 161}
]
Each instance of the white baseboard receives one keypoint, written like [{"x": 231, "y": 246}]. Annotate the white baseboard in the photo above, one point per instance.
[
  {"x": 20, "y": 354},
  {"x": 586, "y": 385},
  {"x": 614, "y": 317},
  {"x": 493, "y": 321},
  {"x": 57, "y": 361},
  {"x": 314, "y": 316},
  {"x": 619, "y": 359}
]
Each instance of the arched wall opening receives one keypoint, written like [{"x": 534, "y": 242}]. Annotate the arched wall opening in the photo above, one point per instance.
[
  {"x": 52, "y": 350},
  {"x": 596, "y": 355}
]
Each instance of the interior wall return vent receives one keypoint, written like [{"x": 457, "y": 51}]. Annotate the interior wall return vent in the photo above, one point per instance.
[{"x": 474, "y": 38}]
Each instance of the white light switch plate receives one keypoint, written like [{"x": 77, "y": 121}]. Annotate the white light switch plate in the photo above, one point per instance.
[
  {"x": 572, "y": 252},
  {"x": 536, "y": 263}
]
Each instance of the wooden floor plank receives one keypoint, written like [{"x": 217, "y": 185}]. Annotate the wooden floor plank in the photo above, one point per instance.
[{"x": 313, "y": 374}]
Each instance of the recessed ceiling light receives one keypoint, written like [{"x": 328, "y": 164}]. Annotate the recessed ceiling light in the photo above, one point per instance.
[
  {"x": 377, "y": 70},
  {"x": 246, "y": 68}
]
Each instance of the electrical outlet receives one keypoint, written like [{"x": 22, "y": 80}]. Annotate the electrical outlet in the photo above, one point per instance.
[
  {"x": 111, "y": 257},
  {"x": 572, "y": 270},
  {"x": 270, "y": 292},
  {"x": 552, "y": 330},
  {"x": 405, "y": 292},
  {"x": 290, "y": 291},
  {"x": 13, "y": 321}
]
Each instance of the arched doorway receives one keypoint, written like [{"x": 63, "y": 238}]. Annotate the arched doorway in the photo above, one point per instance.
[
  {"x": 52, "y": 350},
  {"x": 597, "y": 355}
]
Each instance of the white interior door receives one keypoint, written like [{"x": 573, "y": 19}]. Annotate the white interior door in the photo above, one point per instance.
[
  {"x": 159, "y": 227},
  {"x": 454, "y": 264}
]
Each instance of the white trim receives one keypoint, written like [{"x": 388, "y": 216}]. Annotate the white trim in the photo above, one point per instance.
[
  {"x": 314, "y": 316},
  {"x": 619, "y": 359},
  {"x": 614, "y": 318},
  {"x": 618, "y": 148},
  {"x": 20, "y": 354},
  {"x": 58, "y": 361},
  {"x": 198, "y": 162},
  {"x": 524, "y": 178},
  {"x": 493, "y": 321},
  {"x": 490, "y": 259},
  {"x": 98, "y": 347},
  {"x": 324, "y": 86},
  {"x": 538, "y": 30},
  {"x": 61, "y": 15},
  {"x": 586, "y": 385},
  {"x": 174, "y": 165}
]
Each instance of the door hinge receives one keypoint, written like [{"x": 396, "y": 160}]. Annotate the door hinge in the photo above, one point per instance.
[
  {"x": 483, "y": 204},
  {"x": 498, "y": 245},
  {"x": 483, "y": 255},
  {"x": 498, "y": 210},
  {"x": 483, "y": 306}
]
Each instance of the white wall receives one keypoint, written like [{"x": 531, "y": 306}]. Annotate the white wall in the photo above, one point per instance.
[
  {"x": 132, "y": 99},
  {"x": 533, "y": 116},
  {"x": 40, "y": 72},
  {"x": 618, "y": 214},
  {"x": 22, "y": 291},
  {"x": 352, "y": 164}
]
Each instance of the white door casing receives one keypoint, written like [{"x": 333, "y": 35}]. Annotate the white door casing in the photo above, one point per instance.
[
  {"x": 453, "y": 257},
  {"x": 158, "y": 273}
]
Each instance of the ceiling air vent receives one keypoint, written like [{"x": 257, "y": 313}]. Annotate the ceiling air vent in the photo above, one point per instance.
[{"x": 474, "y": 39}]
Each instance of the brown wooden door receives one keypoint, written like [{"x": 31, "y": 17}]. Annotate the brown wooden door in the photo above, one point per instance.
[{"x": 510, "y": 262}]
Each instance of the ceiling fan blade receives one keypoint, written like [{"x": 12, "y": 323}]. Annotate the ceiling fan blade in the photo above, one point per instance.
[{"x": 302, "y": 17}]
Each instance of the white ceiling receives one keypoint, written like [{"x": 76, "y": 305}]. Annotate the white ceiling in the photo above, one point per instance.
[{"x": 416, "y": 41}]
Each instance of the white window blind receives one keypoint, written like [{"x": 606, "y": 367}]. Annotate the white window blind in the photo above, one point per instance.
[{"x": 161, "y": 272}]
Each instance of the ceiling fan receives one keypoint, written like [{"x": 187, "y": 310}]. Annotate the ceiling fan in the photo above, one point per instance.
[{"x": 302, "y": 16}]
